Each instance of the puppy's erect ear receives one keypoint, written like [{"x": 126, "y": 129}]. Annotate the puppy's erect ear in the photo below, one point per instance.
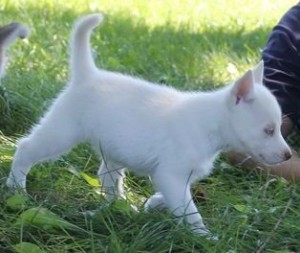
[
  {"x": 243, "y": 89},
  {"x": 258, "y": 72}
]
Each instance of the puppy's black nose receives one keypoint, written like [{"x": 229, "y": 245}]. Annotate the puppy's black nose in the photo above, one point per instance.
[{"x": 287, "y": 155}]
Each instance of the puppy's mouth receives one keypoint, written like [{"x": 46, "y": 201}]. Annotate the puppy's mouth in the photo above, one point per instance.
[{"x": 261, "y": 158}]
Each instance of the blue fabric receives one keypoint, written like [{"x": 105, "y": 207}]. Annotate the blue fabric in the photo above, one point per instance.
[{"x": 281, "y": 56}]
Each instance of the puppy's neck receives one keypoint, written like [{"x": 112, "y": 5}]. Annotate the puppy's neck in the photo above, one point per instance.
[{"x": 208, "y": 113}]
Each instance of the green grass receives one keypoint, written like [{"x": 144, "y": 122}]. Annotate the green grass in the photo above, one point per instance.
[{"x": 187, "y": 44}]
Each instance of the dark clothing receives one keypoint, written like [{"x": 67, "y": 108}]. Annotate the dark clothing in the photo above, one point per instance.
[{"x": 281, "y": 57}]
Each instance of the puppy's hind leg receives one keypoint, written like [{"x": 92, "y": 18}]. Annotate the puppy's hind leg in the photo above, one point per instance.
[
  {"x": 111, "y": 176},
  {"x": 54, "y": 136}
]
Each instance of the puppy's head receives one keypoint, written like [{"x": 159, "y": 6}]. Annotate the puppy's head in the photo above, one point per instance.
[{"x": 255, "y": 119}]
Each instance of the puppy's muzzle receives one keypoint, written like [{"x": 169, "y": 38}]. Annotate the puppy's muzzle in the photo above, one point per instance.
[{"x": 287, "y": 155}]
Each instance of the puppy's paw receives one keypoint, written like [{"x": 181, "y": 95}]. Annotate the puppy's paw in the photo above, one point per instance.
[
  {"x": 15, "y": 185},
  {"x": 156, "y": 201},
  {"x": 203, "y": 231},
  {"x": 89, "y": 213}
]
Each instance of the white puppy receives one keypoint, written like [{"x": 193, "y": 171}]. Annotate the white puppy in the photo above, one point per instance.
[{"x": 152, "y": 129}]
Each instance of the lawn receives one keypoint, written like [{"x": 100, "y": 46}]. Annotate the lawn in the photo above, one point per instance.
[{"x": 190, "y": 45}]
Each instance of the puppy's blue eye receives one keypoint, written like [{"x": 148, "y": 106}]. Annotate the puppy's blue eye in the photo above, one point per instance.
[{"x": 269, "y": 131}]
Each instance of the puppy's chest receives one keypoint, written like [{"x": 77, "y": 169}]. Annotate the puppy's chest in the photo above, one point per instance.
[{"x": 202, "y": 169}]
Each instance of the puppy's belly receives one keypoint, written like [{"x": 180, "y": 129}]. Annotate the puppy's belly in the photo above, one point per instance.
[
  {"x": 141, "y": 167},
  {"x": 133, "y": 161}
]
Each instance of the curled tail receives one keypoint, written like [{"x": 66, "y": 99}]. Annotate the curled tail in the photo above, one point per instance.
[
  {"x": 11, "y": 32},
  {"x": 82, "y": 61},
  {"x": 8, "y": 34}
]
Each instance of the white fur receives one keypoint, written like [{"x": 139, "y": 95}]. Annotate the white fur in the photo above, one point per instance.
[
  {"x": 8, "y": 34},
  {"x": 151, "y": 129}
]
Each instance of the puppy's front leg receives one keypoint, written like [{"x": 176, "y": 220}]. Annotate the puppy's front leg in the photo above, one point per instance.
[
  {"x": 156, "y": 201},
  {"x": 178, "y": 198}
]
